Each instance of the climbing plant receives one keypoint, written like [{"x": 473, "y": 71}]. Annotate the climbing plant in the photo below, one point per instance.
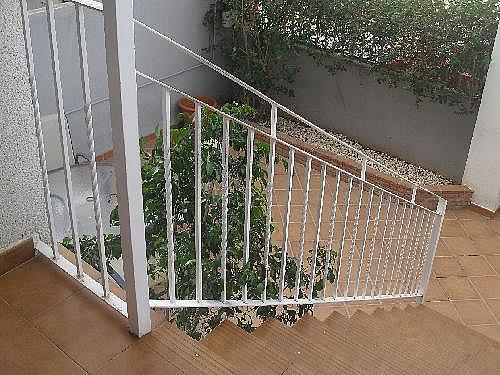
[
  {"x": 198, "y": 321},
  {"x": 436, "y": 49}
]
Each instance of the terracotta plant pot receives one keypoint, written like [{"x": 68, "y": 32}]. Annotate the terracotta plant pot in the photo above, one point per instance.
[{"x": 186, "y": 105}]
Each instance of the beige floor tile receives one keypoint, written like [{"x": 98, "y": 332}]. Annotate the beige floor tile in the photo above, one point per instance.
[
  {"x": 442, "y": 249},
  {"x": 460, "y": 245},
  {"x": 476, "y": 228},
  {"x": 452, "y": 228},
  {"x": 494, "y": 260},
  {"x": 473, "y": 312},
  {"x": 435, "y": 291},
  {"x": 465, "y": 213},
  {"x": 9, "y": 318},
  {"x": 458, "y": 288},
  {"x": 487, "y": 245},
  {"x": 36, "y": 286},
  {"x": 476, "y": 265},
  {"x": 495, "y": 225},
  {"x": 490, "y": 330},
  {"x": 138, "y": 359},
  {"x": 323, "y": 311},
  {"x": 488, "y": 286},
  {"x": 447, "y": 266},
  {"x": 494, "y": 305},
  {"x": 444, "y": 307},
  {"x": 87, "y": 329}
]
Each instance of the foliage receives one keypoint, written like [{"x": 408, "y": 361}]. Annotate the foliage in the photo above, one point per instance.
[
  {"x": 197, "y": 322},
  {"x": 437, "y": 49}
]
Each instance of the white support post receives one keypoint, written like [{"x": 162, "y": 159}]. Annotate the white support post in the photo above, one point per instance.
[
  {"x": 431, "y": 249},
  {"x": 120, "y": 60}
]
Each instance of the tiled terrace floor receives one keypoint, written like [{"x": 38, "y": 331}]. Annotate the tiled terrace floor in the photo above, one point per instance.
[{"x": 465, "y": 282}]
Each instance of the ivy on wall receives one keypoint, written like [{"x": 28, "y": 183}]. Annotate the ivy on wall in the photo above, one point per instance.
[{"x": 437, "y": 49}]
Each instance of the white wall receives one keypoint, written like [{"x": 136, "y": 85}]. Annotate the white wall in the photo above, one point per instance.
[
  {"x": 22, "y": 204},
  {"x": 386, "y": 119},
  {"x": 482, "y": 172},
  {"x": 181, "y": 19}
]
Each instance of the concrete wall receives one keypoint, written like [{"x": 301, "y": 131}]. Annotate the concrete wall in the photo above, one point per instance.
[
  {"x": 383, "y": 118},
  {"x": 22, "y": 205},
  {"x": 181, "y": 19},
  {"x": 482, "y": 172}
]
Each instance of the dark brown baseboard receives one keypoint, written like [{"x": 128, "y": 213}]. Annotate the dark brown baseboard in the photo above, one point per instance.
[
  {"x": 483, "y": 211},
  {"x": 16, "y": 255}
]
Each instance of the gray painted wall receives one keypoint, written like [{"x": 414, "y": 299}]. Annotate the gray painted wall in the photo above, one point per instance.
[
  {"x": 22, "y": 205},
  {"x": 181, "y": 19},
  {"x": 383, "y": 118}
]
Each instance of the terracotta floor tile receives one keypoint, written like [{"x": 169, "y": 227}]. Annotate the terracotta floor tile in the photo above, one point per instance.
[
  {"x": 473, "y": 312},
  {"x": 452, "y": 228},
  {"x": 490, "y": 330},
  {"x": 9, "y": 318},
  {"x": 444, "y": 307},
  {"x": 435, "y": 291},
  {"x": 460, "y": 245},
  {"x": 494, "y": 305},
  {"x": 465, "y": 213},
  {"x": 476, "y": 265},
  {"x": 494, "y": 260},
  {"x": 488, "y": 286},
  {"x": 447, "y": 266},
  {"x": 476, "y": 229},
  {"x": 138, "y": 359},
  {"x": 26, "y": 351},
  {"x": 86, "y": 328},
  {"x": 487, "y": 245},
  {"x": 458, "y": 288},
  {"x": 36, "y": 286}
]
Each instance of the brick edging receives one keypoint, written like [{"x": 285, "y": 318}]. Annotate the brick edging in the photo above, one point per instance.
[{"x": 457, "y": 195}]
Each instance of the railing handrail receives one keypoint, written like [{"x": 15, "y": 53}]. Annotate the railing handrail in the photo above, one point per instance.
[
  {"x": 91, "y": 4},
  {"x": 272, "y": 102},
  {"x": 286, "y": 144}
]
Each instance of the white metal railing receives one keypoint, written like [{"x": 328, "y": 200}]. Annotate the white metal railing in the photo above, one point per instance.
[{"x": 386, "y": 241}]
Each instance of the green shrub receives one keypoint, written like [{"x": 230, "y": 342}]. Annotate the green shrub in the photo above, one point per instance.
[
  {"x": 198, "y": 321},
  {"x": 437, "y": 49}
]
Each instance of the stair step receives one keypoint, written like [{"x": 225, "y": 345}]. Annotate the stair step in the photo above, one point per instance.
[
  {"x": 299, "y": 350},
  {"x": 246, "y": 352},
  {"x": 367, "y": 357},
  {"x": 186, "y": 353},
  {"x": 424, "y": 333}
]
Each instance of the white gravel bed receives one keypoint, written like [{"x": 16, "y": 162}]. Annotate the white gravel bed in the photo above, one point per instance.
[{"x": 408, "y": 170}]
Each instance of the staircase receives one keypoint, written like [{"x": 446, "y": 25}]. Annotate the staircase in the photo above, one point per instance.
[{"x": 413, "y": 340}]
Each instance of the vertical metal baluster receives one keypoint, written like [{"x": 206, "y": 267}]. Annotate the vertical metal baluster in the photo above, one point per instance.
[
  {"x": 38, "y": 126},
  {"x": 291, "y": 164},
  {"x": 225, "y": 192},
  {"x": 331, "y": 231},
  {"x": 342, "y": 244},
  {"x": 402, "y": 253},
  {"x": 363, "y": 241},
  {"x": 410, "y": 241},
  {"x": 416, "y": 245},
  {"x": 270, "y": 185},
  {"x": 354, "y": 235},
  {"x": 248, "y": 204},
  {"x": 85, "y": 80},
  {"x": 437, "y": 223},
  {"x": 423, "y": 247},
  {"x": 400, "y": 232},
  {"x": 389, "y": 248},
  {"x": 372, "y": 244},
  {"x": 167, "y": 165},
  {"x": 381, "y": 248},
  {"x": 303, "y": 228},
  {"x": 197, "y": 204},
  {"x": 54, "y": 53},
  {"x": 318, "y": 230}
]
